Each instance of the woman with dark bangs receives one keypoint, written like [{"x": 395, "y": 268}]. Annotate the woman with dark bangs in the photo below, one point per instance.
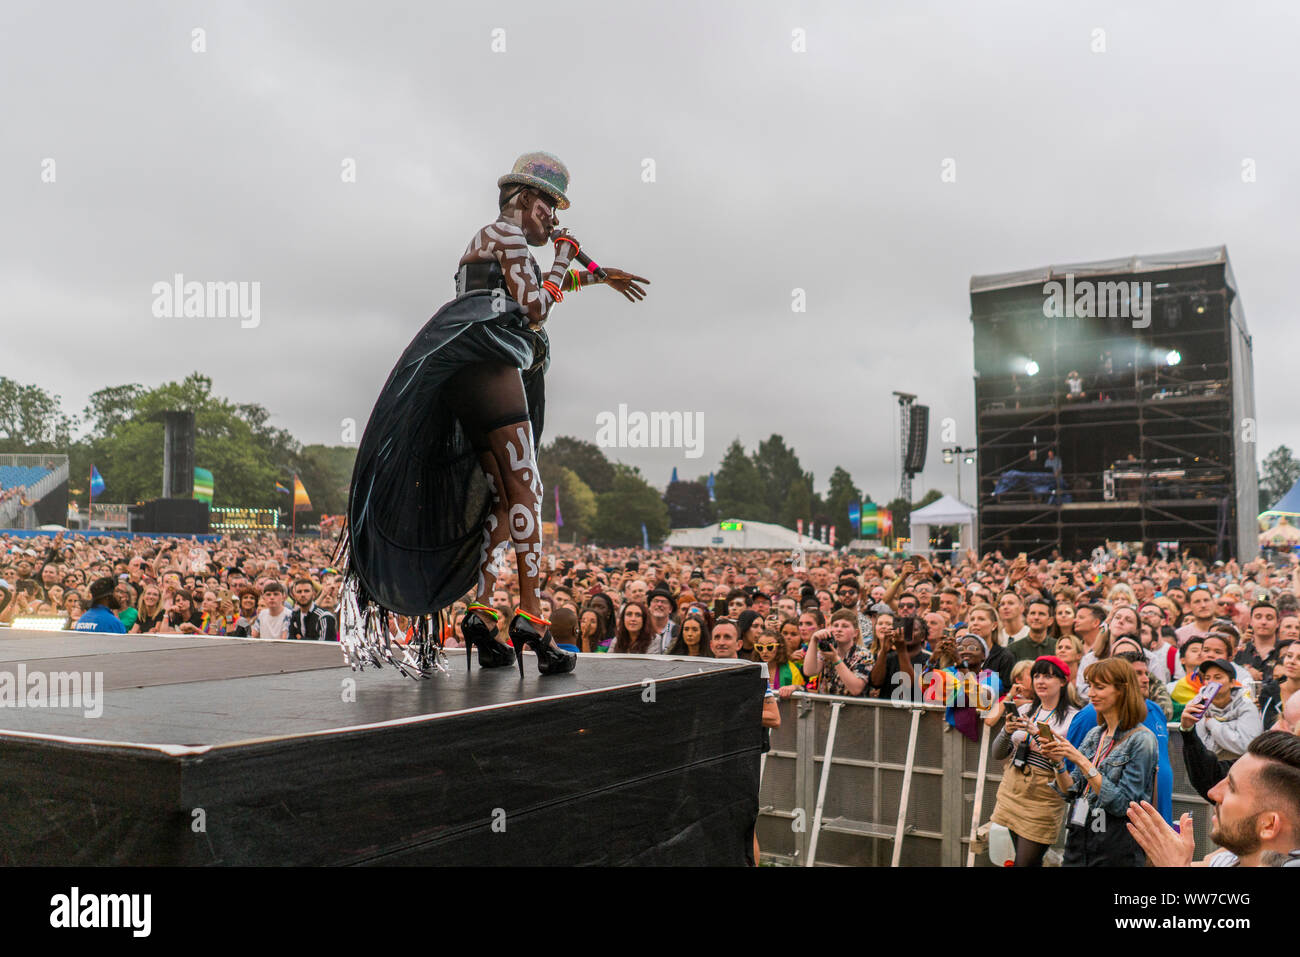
[
  {"x": 1027, "y": 804},
  {"x": 691, "y": 637},
  {"x": 634, "y": 631},
  {"x": 592, "y": 631}
]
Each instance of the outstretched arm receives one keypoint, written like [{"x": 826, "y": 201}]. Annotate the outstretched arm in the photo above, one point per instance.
[{"x": 617, "y": 279}]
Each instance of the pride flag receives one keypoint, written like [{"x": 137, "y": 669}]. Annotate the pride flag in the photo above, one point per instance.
[{"x": 96, "y": 482}]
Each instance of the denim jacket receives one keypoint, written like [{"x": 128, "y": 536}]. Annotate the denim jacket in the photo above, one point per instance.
[{"x": 1127, "y": 772}]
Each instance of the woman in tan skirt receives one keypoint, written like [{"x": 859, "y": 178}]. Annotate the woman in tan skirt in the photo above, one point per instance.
[{"x": 1027, "y": 804}]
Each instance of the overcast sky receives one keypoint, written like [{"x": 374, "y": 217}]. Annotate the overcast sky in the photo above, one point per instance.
[{"x": 773, "y": 170}]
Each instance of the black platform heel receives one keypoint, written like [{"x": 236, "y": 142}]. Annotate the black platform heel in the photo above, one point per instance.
[
  {"x": 527, "y": 630},
  {"x": 491, "y": 653}
]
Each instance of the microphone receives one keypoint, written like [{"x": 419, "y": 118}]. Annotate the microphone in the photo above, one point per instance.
[{"x": 583, "y": 258}]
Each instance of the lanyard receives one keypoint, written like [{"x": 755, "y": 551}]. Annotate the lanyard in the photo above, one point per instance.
[{"x": 1102, "y": 755}]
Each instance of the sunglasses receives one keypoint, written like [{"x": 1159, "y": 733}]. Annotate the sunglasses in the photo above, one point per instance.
[{"x": 765, "y": 646}]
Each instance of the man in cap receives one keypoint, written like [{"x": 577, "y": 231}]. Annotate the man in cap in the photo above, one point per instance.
[{"x": 104, "y": 603}]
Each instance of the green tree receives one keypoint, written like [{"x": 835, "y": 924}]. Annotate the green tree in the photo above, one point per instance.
[
  {"x": 233, "y": 441},
  {"x": 621, "y": 511},
  {"x": 739, "y": 488},
  {"x": 778, "y": 468},
  {"x": 584, "y": 458},
  {"x": 1281, "y": 471},
  {"x": 32, "y": 419},
  {"x": 798, "y": 502},
  {"x": 577, "y": 501},
  {"x": 688, "y": 504},
  {"x": 842, "y": 491}
]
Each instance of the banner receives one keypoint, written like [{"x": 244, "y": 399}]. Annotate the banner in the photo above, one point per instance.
[
  {"x": 300, "y": 499},
  {"x": 96, "y": 482},
  {"x": 203, "y": 485},
  {"x": 855, "y": 516}
]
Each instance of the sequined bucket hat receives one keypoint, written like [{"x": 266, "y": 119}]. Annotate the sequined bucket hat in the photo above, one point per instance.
[{"x": 541, "y": 171}]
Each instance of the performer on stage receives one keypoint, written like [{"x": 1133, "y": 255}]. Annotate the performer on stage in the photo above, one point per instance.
[{"x": 446, "y": 473}]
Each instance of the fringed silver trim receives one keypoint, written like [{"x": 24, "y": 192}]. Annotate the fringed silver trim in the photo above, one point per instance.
[{"x": 368, "y": 641}]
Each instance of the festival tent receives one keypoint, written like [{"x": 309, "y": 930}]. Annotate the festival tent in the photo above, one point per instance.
[
  {"x": 1289, "y": 504},
  {"x": 744, "y": 535},
  {"x": 945, "y": 511}
]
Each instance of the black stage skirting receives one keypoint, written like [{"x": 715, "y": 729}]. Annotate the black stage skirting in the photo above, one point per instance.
[{"x": 232, "y": 751}]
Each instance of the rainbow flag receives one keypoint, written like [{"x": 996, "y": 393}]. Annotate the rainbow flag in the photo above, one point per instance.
[
  {"x": 281, "y": 488},
  {"x": 300, "y": 499}
]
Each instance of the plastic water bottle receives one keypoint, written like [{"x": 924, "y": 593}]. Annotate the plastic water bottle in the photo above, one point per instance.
[{"x": 1002, "y": 850}]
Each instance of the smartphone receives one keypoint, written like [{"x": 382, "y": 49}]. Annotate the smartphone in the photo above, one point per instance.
[
  {"x": 1207, "y": 693},
  {"x": 1045, "y": 731},
  {"x": 934, "y": 602}
]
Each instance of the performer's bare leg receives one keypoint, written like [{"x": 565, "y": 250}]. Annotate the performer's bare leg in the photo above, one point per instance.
[
  {"x": 512, "y": 445},
  {"x": 496, "y": 534}
]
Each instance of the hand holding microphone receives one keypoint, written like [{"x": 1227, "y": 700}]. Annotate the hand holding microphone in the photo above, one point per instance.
[
  {"x": 624, "y": 282},
  {"x": 559, "y": 235}
]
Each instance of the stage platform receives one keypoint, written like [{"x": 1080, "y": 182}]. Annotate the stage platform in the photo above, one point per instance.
[{"x": 245, "y": 752}]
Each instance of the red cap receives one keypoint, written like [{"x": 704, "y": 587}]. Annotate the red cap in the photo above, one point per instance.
[{"x": 1065, "y": 669}]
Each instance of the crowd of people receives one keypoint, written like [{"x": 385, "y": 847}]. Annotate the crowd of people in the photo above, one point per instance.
[{"x": 1078, "y": 668}]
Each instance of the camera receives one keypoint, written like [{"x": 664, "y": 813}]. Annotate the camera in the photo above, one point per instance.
[
  {"x": 1021, "y": 757},
  {"x": 826, "y": 644}
]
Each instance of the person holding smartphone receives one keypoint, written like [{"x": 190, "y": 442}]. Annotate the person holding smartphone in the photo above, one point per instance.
[
  {"x": 1115, "y": 766},
  {"x": 1228, "y": 722},
  {"x": 1027, "y": 804}
]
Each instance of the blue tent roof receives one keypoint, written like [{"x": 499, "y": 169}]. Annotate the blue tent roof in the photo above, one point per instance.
[{"x": 1290, "y": 502}]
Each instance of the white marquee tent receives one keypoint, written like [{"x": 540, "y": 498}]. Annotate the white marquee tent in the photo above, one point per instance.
[
  {"x": 746, "y": 535},
  {"x": 944, "y": 511}
]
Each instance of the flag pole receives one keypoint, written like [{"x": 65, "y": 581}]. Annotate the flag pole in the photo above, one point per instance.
[
  {"x": 90, "y": 505},
  {"x": 293, "y": 508}
]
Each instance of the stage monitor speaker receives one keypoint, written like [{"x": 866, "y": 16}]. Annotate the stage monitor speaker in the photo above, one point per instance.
[
  {"x": 178, "y": 455},
  {"x": 918, "y": 437},
  {"x": 176, "y": 516}
]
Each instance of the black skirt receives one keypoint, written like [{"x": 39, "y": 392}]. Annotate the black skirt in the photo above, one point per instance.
[{"x": 419, "y": 499}]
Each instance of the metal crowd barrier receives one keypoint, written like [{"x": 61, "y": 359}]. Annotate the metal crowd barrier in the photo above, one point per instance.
[{"x": 898, "y": 789}]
